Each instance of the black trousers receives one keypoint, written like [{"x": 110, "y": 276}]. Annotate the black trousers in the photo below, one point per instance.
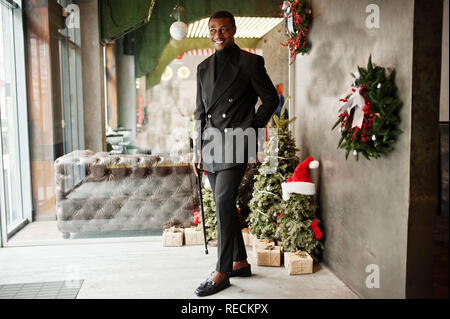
[{"x": 230, "y": 244}]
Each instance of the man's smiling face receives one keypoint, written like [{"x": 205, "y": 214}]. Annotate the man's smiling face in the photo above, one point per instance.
[{"x": 221, "y": 33}]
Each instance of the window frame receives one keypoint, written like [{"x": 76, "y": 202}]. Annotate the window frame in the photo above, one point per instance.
[
  {"x": 71, "y": 87},
  {"x": 21, "y": 114}
]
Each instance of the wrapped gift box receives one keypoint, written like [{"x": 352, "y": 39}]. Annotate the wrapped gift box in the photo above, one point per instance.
[
  {"x": 193, "y": 236},
  {"x": 246, "y": 236},
  {"x": 173, "y": 237},
  {"x": 260, "y": 243},
  {"x": 251, "y": 238},
  {"x": 268, "y": 255},
  {"x": 279, "y": 243},
  {"x": 298, "y": 263}
]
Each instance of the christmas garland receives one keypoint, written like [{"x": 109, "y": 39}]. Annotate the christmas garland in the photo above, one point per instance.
[
  {"x": 369, "y": 118},
  {"x": 297, "y": 20}
]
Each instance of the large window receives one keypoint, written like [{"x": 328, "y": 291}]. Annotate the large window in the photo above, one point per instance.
[
  {"x": 71, "y": 85},
  {"x": 14, "y": 171}
]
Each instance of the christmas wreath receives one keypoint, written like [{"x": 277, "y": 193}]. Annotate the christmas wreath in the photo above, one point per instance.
[
  {"x": 369, "y": 118},
  {"x": 297, "y": 20}
]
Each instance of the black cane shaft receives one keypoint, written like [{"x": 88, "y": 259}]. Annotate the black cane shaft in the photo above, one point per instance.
[{"x": 199, "y": 181}]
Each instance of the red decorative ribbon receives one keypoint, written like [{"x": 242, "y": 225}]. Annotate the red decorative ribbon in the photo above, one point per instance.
[
  {"x": 315, "y": 227},
  {"x": 197, "y": 217}
]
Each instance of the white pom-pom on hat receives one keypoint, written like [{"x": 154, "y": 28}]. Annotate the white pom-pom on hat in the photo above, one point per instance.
[{"x": 314, "y": 164}]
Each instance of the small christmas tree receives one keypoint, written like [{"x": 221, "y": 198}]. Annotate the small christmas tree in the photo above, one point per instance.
[
  {"x": 245, "y": 192},
  {"x": 265, "y": 204},
  {"x": 298, "y": 225},
  {"x": 210, "y": 215}
]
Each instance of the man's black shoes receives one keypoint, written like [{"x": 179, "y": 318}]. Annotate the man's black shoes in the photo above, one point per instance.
[
  {"x": 210, "y": 287},
  {"x": 242, "y": 272}
]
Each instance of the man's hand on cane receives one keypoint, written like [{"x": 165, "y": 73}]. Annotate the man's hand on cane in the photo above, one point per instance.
[{"x": 197, "y": 165}]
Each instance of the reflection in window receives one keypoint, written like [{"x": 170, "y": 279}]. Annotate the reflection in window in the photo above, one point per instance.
[{"x": 10, "y": 192}]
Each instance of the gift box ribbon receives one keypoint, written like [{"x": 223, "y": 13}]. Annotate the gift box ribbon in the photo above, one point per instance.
[
  {"x": 173, "y": 229},
  {"x": 300, "y": 254}
]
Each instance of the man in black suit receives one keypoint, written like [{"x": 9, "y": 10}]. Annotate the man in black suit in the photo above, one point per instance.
[{"x": 229, "y": 83}]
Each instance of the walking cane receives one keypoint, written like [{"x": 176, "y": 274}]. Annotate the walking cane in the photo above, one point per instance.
[{"x": 199, "y": 182}]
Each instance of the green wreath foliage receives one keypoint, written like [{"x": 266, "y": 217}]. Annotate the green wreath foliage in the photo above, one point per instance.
[{"x": 381, "y": 115}]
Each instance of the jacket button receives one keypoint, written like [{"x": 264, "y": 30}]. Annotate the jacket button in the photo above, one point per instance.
[
  {"x": 209, "y": 116},
  {"x": 230, "y": 99},
  {"x": 224, "y": 115}
]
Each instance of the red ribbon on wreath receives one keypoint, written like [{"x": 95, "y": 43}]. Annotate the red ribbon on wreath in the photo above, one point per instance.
[{"x": 359, "y": 133}]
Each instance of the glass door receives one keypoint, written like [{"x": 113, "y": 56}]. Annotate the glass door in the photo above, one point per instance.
[{"x": 12, "y": 217}]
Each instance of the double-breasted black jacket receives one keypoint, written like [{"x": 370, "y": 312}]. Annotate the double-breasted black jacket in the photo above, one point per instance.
[{"x": 225, "y": 105}]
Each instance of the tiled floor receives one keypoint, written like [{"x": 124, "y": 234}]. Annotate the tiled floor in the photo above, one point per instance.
[
  {"x": 146, "y": 269},
  {"x": 62, "y": 262},
  {"x": 41, "y": 290}
]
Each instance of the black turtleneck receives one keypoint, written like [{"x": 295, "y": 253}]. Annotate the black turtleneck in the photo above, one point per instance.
[{"x": 221, "y": 58}]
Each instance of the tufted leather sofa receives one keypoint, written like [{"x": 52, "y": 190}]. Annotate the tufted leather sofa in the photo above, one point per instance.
[{"x": 101, "y": 192}]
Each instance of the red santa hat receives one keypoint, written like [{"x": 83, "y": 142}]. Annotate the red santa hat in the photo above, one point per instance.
[{"x": 300, "y": 182}]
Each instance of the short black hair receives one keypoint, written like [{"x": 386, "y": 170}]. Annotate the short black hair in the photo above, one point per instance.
[{"x": 223, "y": 14}]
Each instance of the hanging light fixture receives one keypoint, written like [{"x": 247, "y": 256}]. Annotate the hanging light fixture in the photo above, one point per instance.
[
  {"x": 183, "y": 72},
  {"x": 167, "y": 74},
  {"x": 178, "y": 29}
]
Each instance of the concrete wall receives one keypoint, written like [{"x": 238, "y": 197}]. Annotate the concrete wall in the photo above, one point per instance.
[
  {"x": 444, "y": 73},
  {"x": 365, "y": 204},
  {"x": 126, "y": 90},
  {"x": 276, "y": 56},
  {"x": 424, "y": 139},
  {"x": 92, "y": 68}
]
